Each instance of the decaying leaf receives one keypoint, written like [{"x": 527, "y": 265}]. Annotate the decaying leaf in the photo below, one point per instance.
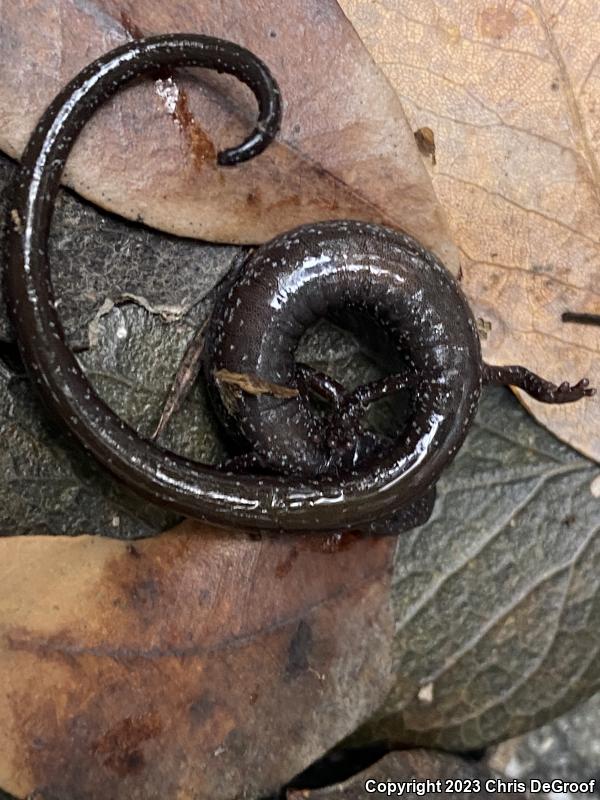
[
  {"x": 345, "y": 149},
  {"x": 407, "y": 774},
  {"x": 512, "y": 94},
  {"x": 497, "y": 598},
  {"x": 194, "y": 665}
]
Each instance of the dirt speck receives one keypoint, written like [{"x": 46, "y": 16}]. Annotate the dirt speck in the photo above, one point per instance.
[{"x": 425, "y": 139}]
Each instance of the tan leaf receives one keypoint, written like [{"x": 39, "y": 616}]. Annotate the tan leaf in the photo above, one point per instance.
[
  {"x": 345, "y": 149},
  {"x": 511, "y": 91},
  {"x": 177, "y": 666}
]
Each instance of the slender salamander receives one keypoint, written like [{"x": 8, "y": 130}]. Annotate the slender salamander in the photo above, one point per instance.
[{"x": 306, "y": 473}]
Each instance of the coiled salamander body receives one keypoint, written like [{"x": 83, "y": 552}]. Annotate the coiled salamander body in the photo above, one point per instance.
[{"x": 307, "y": 472}]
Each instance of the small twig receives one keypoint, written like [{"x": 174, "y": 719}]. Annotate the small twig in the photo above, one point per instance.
[
  {"x": 582, "y": 319},
  {"x": 185, "y": 377},
  {"x": 252, "y": 384}
]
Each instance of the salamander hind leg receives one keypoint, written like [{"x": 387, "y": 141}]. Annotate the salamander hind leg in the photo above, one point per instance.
[{"x": 538, "y": 388}]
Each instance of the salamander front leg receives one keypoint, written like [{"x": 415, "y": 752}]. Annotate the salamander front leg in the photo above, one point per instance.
[
  {"x": 538, "y": 388},
  {"x": 310, "y": 380}
]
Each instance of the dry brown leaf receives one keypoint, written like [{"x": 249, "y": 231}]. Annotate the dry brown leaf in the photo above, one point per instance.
[
  {"x": 188, "y": 666},
  {"x": 511, "y": 91},
  {"x": 345, "y": 149}
]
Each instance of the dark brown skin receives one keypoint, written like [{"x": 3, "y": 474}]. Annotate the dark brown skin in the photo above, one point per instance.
[{"x": 382, "y": 284}]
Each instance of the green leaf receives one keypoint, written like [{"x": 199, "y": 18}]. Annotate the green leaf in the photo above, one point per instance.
[
  {"x": 49, "y": 484},
  {"x": 496, "y": 599}
]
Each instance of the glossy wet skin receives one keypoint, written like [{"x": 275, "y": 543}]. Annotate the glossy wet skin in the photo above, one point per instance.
[
  {"x": 390, "y": 292},
  {"x": 397, "y": 288}
]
